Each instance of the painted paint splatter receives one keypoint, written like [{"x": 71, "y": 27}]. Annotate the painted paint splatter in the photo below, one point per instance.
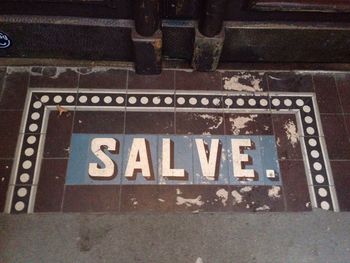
[
  {"x": 134, "y": 201},
  {"x": 274, "y": 192},
  {"x": 51, "y": 72},
  {"x": 246, "y": 189},
  {"x": 237, "y": 197},
  {"x": 278, "y": 141},
  {"x": 178, "y": 191},
  {"x": 11, "y": 70},
  {"x": 291, "y": 132},
  {"x": 241, "y": 122},
  {"x": 223, "y": 195},
  {"x": 189, "y": 202},
  {"x": 263, "y": 208},
  {"x": 212, "y": 121},
  {"x": 244, "y": 82}
]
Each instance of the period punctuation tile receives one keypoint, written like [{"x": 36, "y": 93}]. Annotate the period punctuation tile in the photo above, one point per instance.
[
  {"x": 99, "y": 122},
  {"x": 326, "y": 93},
  {"x": 91, "y": 198},
  {"x": 295, "y": 187},
  {"x": 58, "y": 134},
  {"x": 195, "y": 80},
  {"x": 14, "y": 88},
  {"x": 164, "y": 80},
  {"x": 337, "y": 139},
  {"x": 102, "y": 78},
  {"x": 9, "y": 129},
  {"x": 244, "y": 81},
  {"x": 150, "y": 122},
  {"x": 287, "y": 136},
  {"x": 49, "y": 194},
  {"x": 341, "y": 176},
  {"x": 49, "y": 77},
  {"x": 199, "y": 123},
  {"x": 290, "y": 82},
  {"x": 5, "y": 172}
]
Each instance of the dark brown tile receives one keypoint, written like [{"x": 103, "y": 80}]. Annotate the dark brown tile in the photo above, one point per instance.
[
  {"x": 326, "y": 93},
  {"x": 5, "y": 173},
  {"x": 150, "y": 122},
  {"x": 10, "y": 122},
  {"x": 343, "y": 85},
  {"x": 295, "y": 186},
  {"x": 14, "y": 89},
  {"x": 164, "y": 80},
  {"x": 49, "y": 77},
  {"x": 244, "y": 81},
  {"x": 243, "y": 124},
  {"x": 194, "y": 198},
  {"x": 257, "y": 198},
  {"x": 210, "y": 198},
  {"x": 139, "y": 198},
  {"x": 341, "y": 176},
  {"x": 337, "y": 139},
  {"x": 287, "y": 136},
  {"x": 197, "y": 80},
  {"x": 199, "y": 123},
  {"x": 102, "y": 78},
  {"x": 99, "y": 122},
  {"x": 91, "y": 198},
  {"x": 49, "y": 195},
  {"x": 58, "y": 135},
  {"x": 289, "y": 82}
]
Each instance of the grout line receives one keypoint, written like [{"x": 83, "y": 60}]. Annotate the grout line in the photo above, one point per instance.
[
  {"x": 342, "y": 108},
  {"x": 71, "y": 133},
  {"x": 3, "y": 84}
]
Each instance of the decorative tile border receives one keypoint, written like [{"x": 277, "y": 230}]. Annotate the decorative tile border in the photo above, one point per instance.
[{"x": 26, "y": 170}]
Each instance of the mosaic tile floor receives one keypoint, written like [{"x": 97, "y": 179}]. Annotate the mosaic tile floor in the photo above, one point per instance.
[{"x": 103, "y": 139}]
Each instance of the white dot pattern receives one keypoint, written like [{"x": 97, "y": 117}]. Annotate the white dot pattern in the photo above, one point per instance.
[{"x": 314, "y": 152}]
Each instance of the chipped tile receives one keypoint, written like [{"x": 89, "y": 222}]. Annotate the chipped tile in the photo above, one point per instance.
[
  {"x": 199, "y": 123},
  {"x": 102, "y": 78},
  {"x": 49, "y": 77},
  {"x": 244, "y": 124},
  {"x": 244, "y": 81},
  {"x": 289, "y": 82}
]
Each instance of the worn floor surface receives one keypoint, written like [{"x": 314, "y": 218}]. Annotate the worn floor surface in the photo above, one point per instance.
[{"x": 108, "y": 140}]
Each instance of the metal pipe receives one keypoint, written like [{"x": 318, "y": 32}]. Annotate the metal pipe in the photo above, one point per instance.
[
  {"x": 146, "y": 15},
  {"x": 212, "y": 17}
]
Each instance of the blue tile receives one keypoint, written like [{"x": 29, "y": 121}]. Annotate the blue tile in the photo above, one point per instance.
[
  {"x": 81, "y": 156},
  {"x": 152, "y": 146},
  {"x": 255, "y": 163},
  {"x": 269, "y": 160},
  {"x": 182, "y": 158},
  {"x": 222, "y": 169}
]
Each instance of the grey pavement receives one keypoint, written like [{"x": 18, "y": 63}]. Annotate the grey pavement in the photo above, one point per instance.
[{"x": 317, "y": 236}]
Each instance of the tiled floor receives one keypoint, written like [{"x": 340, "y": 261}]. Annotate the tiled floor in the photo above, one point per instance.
[{"x": 54, "y": 103}]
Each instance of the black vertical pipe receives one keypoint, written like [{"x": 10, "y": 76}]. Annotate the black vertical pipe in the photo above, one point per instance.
[
  {"x": 146, "y": 15},
  {"x": 212, "y": 17}
]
